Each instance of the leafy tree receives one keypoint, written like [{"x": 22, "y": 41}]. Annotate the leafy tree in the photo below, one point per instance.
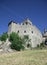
[
  {"x": 16, "y": 42},
  {"x": 3, "y": 37}
]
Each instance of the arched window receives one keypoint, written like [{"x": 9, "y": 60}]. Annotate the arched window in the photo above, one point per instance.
[{"x": 28, "y": 45}]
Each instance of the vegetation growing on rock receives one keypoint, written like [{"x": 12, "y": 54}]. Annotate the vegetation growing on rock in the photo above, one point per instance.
[{"x": 3, "y": 37}]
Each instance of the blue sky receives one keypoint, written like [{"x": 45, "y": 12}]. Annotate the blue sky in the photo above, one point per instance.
[{"x": 18, "y": 10}]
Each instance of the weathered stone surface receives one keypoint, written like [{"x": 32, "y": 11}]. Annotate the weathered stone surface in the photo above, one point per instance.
[{"x": 5, "y": 46}]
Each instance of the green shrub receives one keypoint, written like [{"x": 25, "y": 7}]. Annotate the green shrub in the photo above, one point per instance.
[
  {"x": 38, "y": 45},
  {"x": 42, "y": 45},
  {"x": 17, "y": 46},
  {"x": 16, "y": 42},
  {"x": 3, "y": 37}
]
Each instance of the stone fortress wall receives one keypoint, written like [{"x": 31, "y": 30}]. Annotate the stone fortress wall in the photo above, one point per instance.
[{"x": 26, "y": 28}]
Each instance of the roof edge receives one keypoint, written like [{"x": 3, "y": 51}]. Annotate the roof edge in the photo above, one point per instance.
[{"x": 11, "y": 22}]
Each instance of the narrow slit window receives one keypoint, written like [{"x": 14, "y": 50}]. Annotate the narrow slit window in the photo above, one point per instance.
[{"x": 31, "y": 31}]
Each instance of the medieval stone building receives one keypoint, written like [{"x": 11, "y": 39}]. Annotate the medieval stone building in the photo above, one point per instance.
[{"x": 26, "y": 28}]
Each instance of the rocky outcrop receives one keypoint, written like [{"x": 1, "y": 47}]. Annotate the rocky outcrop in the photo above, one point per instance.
[{"x": 5, "y": 46}]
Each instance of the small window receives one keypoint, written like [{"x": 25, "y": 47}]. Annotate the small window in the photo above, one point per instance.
[
  {"x": 32, "y": 31},
  {"x": 18, "y": 31},
  {"x": 26, "y": 23},
  {"x": 25, "y": 31}
]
